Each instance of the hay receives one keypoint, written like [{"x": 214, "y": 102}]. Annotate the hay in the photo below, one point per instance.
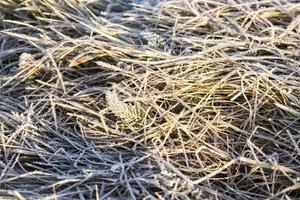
[{"x": 166, "y": 99}]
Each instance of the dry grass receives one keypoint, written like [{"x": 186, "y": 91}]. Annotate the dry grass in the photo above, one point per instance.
[{"x": 180, "y": 99}]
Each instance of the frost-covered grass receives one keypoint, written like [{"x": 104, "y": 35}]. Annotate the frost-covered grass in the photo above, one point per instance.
[{"x": 174, "y": 99}]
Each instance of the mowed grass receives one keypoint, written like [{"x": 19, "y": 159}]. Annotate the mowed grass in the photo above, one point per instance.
[{"x": 172, "y": 99}]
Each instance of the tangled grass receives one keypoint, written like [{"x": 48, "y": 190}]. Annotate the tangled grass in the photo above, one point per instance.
[{"x": 174, "y": 99}]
